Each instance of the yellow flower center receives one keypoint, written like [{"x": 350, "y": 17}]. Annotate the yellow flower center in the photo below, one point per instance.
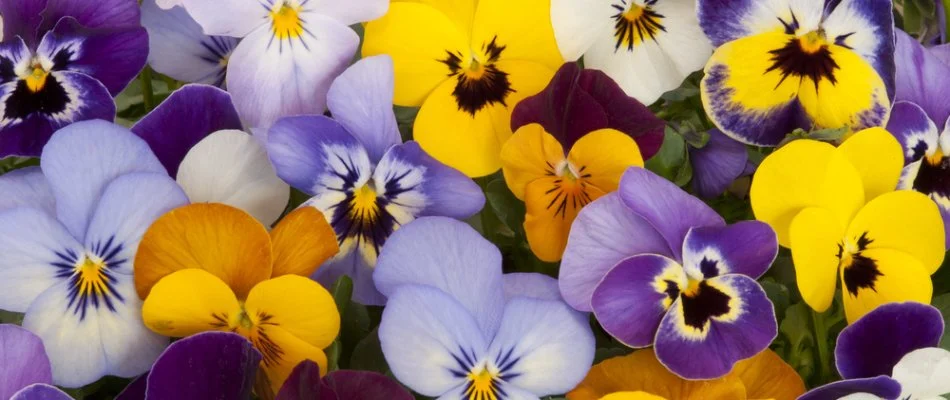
[
  {"x": 692, "y": 288},
  {"x": 481, "y": 385},
  {"x": 254, "y": 327},
  {"x": 475, "y": 70},
  {"x": 364, "y": 202},
  {"x": 634, "y": 13},
  {"x": 285, "y": 21},
  {"x": 91, "y": 278},
  {"x": 936, "y": 158},
  {"x": 635, "y": 25},
  {"x": 36, "y": 80},
  {"x": 812, "y": 42}
]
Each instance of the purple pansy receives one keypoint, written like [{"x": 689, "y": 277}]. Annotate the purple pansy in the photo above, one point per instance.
[
  {"x": 26, "y": 370},
  {"x": 891, "y": 353},
  {"x": 305, "y": 383},
  {"x": 579, "y": 101},
  {"x": 361, "y": 177},
  {"x": 69, "y": 241},
  {"x": 448, "y": 329},
  {"x": 62, "y": 61},
  {"x": 717, "y": 164},
  {"x": 682, "y": 281}
]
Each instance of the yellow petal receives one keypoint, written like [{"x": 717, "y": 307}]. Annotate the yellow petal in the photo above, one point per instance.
[
  {"x": 417, "y": 37},
  {"x": 631, "y": 396},
  {"x": 460, "y": 12},
  {"x": 299, "y": 306},
  {"x": 530, "y": 154},
  {"x": 878, "y": 157},
  {"x": 602, "y": 156},
  {"x": 220, "y": 239},
  {"x": 815, "y": 235},
  {"x": 805, "y": 173},
  {"x": 906, "y": 221},
  {"x": 523, "y": 27},
  {"x": 302, "y": 241},
  {"x": 552, "y": 205},
  {"x": 187, "y": 302},
  {"x": 902, "y": 278},
  {"x": 640, "y": 371},
  {"x": 856, "y": 93},
  {"x": 284, "y": 352},
  {"x": 768, "y": 376}
]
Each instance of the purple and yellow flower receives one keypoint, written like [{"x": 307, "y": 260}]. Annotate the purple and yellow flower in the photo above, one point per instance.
[
  {"x": 836, "y": 209},
  {"x": 782, "y": 65},
  {"x": 69, "y": 238},
  {"x": 467, "y": 64},
  {"x": 891, "y": 353},
  {"x": 178, "y": 48},
  {"x": 572, "y": 143},
  {"x": 659, "y": 267},
  {"x": 647, "y": 46},
  {"x": 359, "y": 174},
  {"x": 61, "y": 62},
  {"x": 764, "y": 376},
  {"x": 448, "y": 330},
  {"x": 290, "y": 50},
  {"x": 26, "y": 373},
  {"x": 196, "y": 134}
]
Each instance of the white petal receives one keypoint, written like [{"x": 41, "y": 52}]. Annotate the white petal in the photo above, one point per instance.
[
  {"x": 231, "y": 167},
  {"x": 167, "y": 4},
  {"x": 924, "y": 373},
  {"x": 130, "y": 347},
  {"x": 179, "y": 48},
  {"x": 235, "y": 18},
  {"x": 683, "y": 42},
  {"x": 349, "y": 12},
  {"x": 578, "y": 23},
  {"x": 644, "y": 73}
]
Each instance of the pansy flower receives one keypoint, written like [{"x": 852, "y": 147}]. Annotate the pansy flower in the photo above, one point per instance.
[
  {"x": 305, "y": 383},
  {"x": 212, "y": 267},
  {"x": 784, "y": 64},
  {"x": 467, "y": 64},
  {"x": 891, "y": 353},
  {"x": 26, "y": 373},
  {"x": 570, "y": 148},
  {"x": 361, "y": 177},
  {"x": 835, "y": 208},
  {"x": 648, "y": 46},
  {"x": 179, "y": 48},
  {"x": 449, "y": 332},
  {"x": 196, "y": 135},
  {"x": 290, "y": 51},
  {"x": 918, "y": 121},
  {"x": 62, "y": 61},
  {"x": 68, "y": 259},
  {"x": 682, "y": 282},
  {"x": 764, "y": 376}
]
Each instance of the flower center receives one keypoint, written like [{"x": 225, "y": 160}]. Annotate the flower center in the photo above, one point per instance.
[
  {"x": 285, "y": 21},
  {"x": 807, "y": 56},
  {"x": 634, "y": 25},
  {"x": 571, "y": 191},
  {"x": 702, "y": 302},
  {"x": 812, "y": 42},
  {"x": 859, "y": 271},
  {"x": 479, "y": 81},
  {"x": 254, "y": 327},
  {"x": 482, "y": 385},
  {"x": 36, "y": 80},
  {"x": 91, "y": 283}
]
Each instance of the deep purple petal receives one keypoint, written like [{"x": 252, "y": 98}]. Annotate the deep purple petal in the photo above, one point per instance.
[
  {"x": 746, "y": 328},
  {"x": 364, "y": 385},
  {"x": 92, "y": 14},
  {"x": 624, "y": 113},
  {"x": 915, "y": 131},
  {"x": 882, "y": 386},
  {"x": 300, "y": 149},
  {"x": 41, "y": 391},
  {"x": 634, "y": 296},
  {"x": 669, "y": 209},
  {"x": 922, "y": 78},
  {"x": 28, "y": 127},
  {"x": 209, "y": 365},
  {"x": 717, "y": 165},
  {"x": 303, "y": 383},
  {"x": 747, "y": 248},
  {"x": 181, "y": 121},
  {"x": 874, "y": 344},
  {"x": 22, "y": 18},
  {"x": 135, "y": 390},
  {"x": 447, "y": 192},
  {"x": 24, "y": 360},
  {"x": 113, "y": 56},
  {"x": 531, "y": 284}
]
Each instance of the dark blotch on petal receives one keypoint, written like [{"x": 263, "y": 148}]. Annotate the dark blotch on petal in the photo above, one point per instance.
[
  {"x": 49, "y": 100},
  {"x": 479, "y": 85},
  {"x": 706, "y": 302},
  {"x": 793, "y": 60},
  {"x": 933, "y": 179}
]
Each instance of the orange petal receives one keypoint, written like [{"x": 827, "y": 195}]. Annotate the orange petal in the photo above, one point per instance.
[
  {"x": 552, "y": 205},
  {"x": 302, "y": 241},
  {"x": 767, "y": 376},
  {"x": 220, "y": 239}
]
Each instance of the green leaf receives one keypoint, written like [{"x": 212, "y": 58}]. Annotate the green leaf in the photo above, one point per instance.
[
  {"x": 912, "y": 17},
  {"x": 796, "y": 329},
  {"x": 942, "y": 303},
  {"x": 778, "y": 294},
  {"x": 509, "y": 210},
  {"x": 671, "y": 157},
  {"x": 828, "y": 135},
  {"x": 368, "y": 354},
  {"x": 342, "y": 291}
]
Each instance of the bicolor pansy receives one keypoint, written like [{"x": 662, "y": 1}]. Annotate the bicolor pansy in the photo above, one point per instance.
[
  {"x": 782, "y": 65},
  {"x": 359, "y": 174}
]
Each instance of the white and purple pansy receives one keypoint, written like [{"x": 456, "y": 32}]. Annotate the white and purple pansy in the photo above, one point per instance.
[
  {"x": 69, "y": 237},
  {"x": 290, "y": 51},
  {"x": 448, "y": 330},
  {"x": 891, "y": 353},
  {"x": 61, "y": 62},
  {"x": 359, "y": 174},
  {"x": 681, "y": 282}
]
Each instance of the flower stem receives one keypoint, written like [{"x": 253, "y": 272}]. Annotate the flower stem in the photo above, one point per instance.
[
  {"x": 148, "y": 98},
  {"x": 821, "y": 344}
]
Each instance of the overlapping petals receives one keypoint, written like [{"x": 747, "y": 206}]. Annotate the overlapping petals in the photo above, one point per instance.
[
  {"x": 305, "y": 383},
  {"x": 26, "y": 368}
]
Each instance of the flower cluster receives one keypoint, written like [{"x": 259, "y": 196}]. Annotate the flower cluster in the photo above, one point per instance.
[{"x": 474, "y": 199}]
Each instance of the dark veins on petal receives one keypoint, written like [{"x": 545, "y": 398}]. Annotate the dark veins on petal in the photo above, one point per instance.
[
  {"x": 91, "y": 282},
  {"x": 706, "y": 302},
  {"x": 479, "y": 84},
  {"x": 860, "y": 271},
  {"x": 633, "y": 26}
]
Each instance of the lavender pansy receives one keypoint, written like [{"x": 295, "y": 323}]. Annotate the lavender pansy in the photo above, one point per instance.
[
  {"x": 682, "y": 282},
  {"x": 195, "y": 133},
  {"x": 71, "y": 270},
  {"x": 531, "y": 284},
  {"x": 180, "y": 49},
  {"x": 448, "y": 332},
  {"x": 290, "y": 52},
  {"x": 62, "y": 62},
  {"x": 717, "y": 164},
  {"x": 361, "y": 177},
  {"x": 26, "y": 368},
  {"x": 305, "y": 383}
]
